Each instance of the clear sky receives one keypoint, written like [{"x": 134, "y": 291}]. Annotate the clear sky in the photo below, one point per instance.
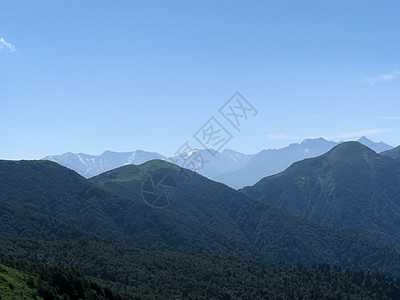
[{"x": 89, "y": 76}]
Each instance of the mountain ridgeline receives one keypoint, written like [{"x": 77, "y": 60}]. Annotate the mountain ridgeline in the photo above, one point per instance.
[
  {"x": 230, "y": 167},
  {"x": 90, "y": 165},
  {"x": 393, "y": 153},
  {"x": 272, "y": 161},
  {"x": 49, "y": 189},
  {"x": 350, "y": 188},
  {"x": 274, "y": 233}
]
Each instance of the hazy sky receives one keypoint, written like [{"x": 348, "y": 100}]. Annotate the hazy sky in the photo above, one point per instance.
[{"x": 89, "y": 76}]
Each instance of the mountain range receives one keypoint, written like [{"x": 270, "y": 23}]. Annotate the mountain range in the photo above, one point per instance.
[
  {"x": 90, "y": 165},
  {"x": 205, "y": 214},
  {"x": 230, "y": 167}
]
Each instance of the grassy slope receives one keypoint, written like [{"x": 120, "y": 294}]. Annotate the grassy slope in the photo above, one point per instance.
[{"x": 14, "y": 284}]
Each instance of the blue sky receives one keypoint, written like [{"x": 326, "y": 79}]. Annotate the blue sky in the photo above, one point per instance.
[{"x": 90, "y": 76}]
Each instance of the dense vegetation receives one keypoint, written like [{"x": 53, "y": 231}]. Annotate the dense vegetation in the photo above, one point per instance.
[
  {"x": 14, "y": 284},
  {"x": 160, "y": 272},
  {"x": 20, "y": 280},
  {"x": 350, "y": 188}
]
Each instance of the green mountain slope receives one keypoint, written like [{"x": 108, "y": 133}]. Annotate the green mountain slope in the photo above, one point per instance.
[
  {"x": 14, "y": 284},
  {"x": 350, "y": 188},
  {"x": 281, "y": 235},
  {"x": 393, "y": 153},
  {"x": 18, "y": 222},
  {"x": 49, "y": 189}
]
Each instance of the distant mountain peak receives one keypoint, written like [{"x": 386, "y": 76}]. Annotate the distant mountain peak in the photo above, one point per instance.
[
  {"x": 90, "y": 165},
  {"x": 377, "y": 147},
  {"x": 316, "y": 140},
  {"x": 364, "y": 139}
]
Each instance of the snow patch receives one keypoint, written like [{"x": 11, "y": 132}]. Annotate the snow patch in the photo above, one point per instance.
[
  {"x": 191, "y": 152},
  {"x": 81, "y": 160},
  {"x": 131, "y": 158}
]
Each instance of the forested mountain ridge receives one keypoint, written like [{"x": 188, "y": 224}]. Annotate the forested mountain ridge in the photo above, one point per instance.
[
  {"x": 50, "y": 189},
  {"x": 350, "y": 188},
  {"x": 269, "y": 229},
  {"x": 272, "y": 161}
]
